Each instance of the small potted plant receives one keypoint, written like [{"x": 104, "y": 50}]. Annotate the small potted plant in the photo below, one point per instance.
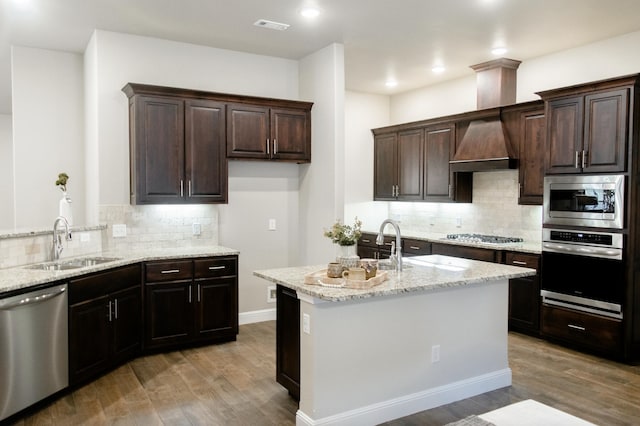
[
  {"x": 346, "y": 239},
  {"x": 65, "y": 201}
]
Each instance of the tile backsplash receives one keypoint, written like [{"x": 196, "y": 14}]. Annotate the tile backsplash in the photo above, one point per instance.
[
  {"x": 160, "y": 226},
  {"x": 494, "y": 211}
]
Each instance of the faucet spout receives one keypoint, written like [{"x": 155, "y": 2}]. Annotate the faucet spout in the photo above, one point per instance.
[
  {"x": 57, "y": 240},
  {"x": 396, "y": 253}
]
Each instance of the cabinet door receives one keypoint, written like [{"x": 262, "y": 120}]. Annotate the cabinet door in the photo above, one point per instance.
[
  {"x": 438, "y": 145},
  {"x": 168, "y": 313},
  {"x": 248, "y": 132},
  {"x": 158, "y": 149},
  {"x": 288, "y": 340},
  {"x": 564, "y": 135},
  {"x": 524, "y": 295},
  {"x": 605, "y": 131},
  {"x": 385, "y": 166},
  {"x": 205, "y": 152},
  {"x": 410, "y": 165},
  {"x": 89, "y": 337},
  {"x": 532, "y": 147},
  {"x": 126, "y": 321},
  {"x": 290, "y": 135},
  {"x": 216, "y": 308}
]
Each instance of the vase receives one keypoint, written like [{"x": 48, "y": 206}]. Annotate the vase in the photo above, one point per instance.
[
  {"x": 65, "y": 208},
  {"x": 347, "y": 256}
]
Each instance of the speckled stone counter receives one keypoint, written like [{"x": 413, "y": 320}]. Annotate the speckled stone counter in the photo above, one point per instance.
[
  {"x": 533, "y": 247},
  {"x": 23, "y": 278},
  {"x": 414, "y": 277}
]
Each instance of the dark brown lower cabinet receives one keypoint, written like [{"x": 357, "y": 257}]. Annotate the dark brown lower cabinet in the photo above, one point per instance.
[
  {"x": 191, "y": 301},
  {"x": 467, "y": 252},
  {"x": 105, "y": 318},
  {"x": 288, "y": 340},
  {"x": 580, "y": 329},
  {"x": 524, "y": 295}
]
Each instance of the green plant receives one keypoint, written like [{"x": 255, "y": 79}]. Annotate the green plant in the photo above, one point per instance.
[
  {"x": 344, "y": 235},
  {"x": 62, "y": 181}
]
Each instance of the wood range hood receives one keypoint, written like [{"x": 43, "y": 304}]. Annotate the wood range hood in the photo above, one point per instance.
[{"x": 485, "y": 145}]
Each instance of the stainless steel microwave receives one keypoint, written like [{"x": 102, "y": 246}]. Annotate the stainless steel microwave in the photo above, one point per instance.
[{"x": 584, "y": 200}]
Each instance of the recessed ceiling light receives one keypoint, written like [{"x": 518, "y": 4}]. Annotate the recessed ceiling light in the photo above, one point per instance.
[
  {"x": 264, "y": 23},
  {"x": 310, "y": 12},
  {"x": 438, "y": 69},
  {"x": 391, "y": 83},
  {"x": 499, "y": 50}
]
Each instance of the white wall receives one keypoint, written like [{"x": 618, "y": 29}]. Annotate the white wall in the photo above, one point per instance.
[
  {"x": 363, "y": 112},
  {"x": 48, "y": 127},
  {"x": 7, "y": 215},
  {"x": 322, "y": 181}
]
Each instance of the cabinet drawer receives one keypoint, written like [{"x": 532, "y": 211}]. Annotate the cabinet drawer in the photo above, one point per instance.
[
  {"x": 466, "y": 252},
  {"x": 168, "y": 271},
  {"x": 411, "y": 247},
  {"x": 216, "y": 267},
  {"x": 525, "y": 260},
  {"x": 103, "y": 283},
  {"x": 367, "y": 240},
  {"x": 597, "y": 332}
]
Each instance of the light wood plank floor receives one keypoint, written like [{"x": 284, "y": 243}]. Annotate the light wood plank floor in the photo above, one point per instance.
[{"x": 233, "y": 384}]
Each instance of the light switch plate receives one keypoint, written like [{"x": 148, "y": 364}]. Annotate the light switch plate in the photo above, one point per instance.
[
  {"x": 196, "y": 229},
  {"x": 306, "y": 324},
  {"x": 119, "y": 230},
  {"x": 272, "y": 224}
]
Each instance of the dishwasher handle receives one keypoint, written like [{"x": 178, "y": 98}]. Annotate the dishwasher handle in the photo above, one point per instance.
[{"x": 30, "y": 299}]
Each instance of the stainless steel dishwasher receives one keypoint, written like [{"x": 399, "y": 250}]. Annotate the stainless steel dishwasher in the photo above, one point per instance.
[{"x": 33, "y": 347}]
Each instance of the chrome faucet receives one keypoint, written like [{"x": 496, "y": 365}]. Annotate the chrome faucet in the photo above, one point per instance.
[
  {"x": 57, "y": 240},
  {"x": 396, "y": 249}
]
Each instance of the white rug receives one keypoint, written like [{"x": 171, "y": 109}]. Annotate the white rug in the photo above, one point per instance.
[{"x": 531, "y": 413}]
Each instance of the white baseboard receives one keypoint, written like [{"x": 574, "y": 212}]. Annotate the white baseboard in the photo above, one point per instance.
[
  {"x": 413, "y": 403},
  {"x": 257, "y": 316}
]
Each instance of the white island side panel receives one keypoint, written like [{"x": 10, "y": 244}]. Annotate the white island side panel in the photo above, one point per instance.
[{"x": 368, "y": 361}]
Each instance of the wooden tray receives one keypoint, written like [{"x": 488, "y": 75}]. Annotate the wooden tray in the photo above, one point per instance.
[{"x": 321, "y": 278}]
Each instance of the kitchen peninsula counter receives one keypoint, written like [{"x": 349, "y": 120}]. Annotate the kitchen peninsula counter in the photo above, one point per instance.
[
  {"x": 23, "y": 278},
  {"x": 432, "y": 334}
]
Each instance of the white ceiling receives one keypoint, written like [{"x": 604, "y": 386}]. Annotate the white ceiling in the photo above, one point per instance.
[{"x": 402, "y": 39}]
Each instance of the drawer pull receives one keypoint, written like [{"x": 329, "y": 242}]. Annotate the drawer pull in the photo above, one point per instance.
[
  {"x": 519, "y": 262},
  {"x": 215, "y": 268},
  {"x": 576, "y": 327},
  {"x": 366, "y": 241},
  {"x": 170, "y": 271},
  {"x": 414, "y": 247}
]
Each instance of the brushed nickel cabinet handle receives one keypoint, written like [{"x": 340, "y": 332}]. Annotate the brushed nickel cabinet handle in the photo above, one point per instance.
[
  {"x": 268, "y": 148},
  {"x": 189, "y": 186},
  {"x": 109, "y": 308},
  {"x": 115, "y": 303},
  {"x": 215, "y": 268},
  {"x": 576, "y": 327},
  {"x": 584, "y": 158},
  {"x": 181, "y": 188},
  {"x": 519, "y": 262},
  {"x": 577, "y": 159},
  {"x": 414, "y": 247},
  {"x": 275, "y": 146},
  {"x": 199, "y": 291},
  {"x": 170, "y": 271},
  {"x": 189, "y": 294},
  {"x": 366, "y": 241}
]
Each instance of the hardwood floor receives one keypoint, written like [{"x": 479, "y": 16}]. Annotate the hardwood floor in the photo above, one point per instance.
[{"x": 233, "y": 384}]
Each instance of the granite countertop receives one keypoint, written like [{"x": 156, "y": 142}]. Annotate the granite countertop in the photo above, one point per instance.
[
  {"x": 414, "y": 277},
  {"x": 533, "y": 247},
  {"x": 21, "y": 277}
]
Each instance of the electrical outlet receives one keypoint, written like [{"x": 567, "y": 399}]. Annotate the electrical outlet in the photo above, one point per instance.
[
  {"x": 196, "y": 229},
  {"x": 435, "y": 353},
  {"x": 271, "y": 294},
  {"x": 272, "y": 224},
  {"x": 458, "y": 222},
  {"x": 119, "y": 230},
  {"x": 306, "y": 324}
]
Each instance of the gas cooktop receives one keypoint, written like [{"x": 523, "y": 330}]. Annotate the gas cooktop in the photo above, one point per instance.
[{"x": 479, "y": 238}]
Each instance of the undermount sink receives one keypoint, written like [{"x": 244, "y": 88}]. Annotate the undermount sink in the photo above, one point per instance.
[
  {"x": 386, "y": 265},
  {"x": 63, "y": 265},
  {"x": 447, "y": 263}
]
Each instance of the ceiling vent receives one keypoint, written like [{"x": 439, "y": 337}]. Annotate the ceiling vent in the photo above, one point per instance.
[{"x": 271, "y": 25}]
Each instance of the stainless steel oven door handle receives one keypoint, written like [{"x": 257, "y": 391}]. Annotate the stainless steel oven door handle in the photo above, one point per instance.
[{"x": 583, "y": 250}]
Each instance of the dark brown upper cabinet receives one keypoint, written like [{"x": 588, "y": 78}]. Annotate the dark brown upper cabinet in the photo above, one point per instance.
[
  {"x": 177, "y": 147},
  {"x": 588, "y": 126},
  {"x": 280, "y": 131},
  {"x": 411, "y": 163},
  {"x": 526, "y": 124}
]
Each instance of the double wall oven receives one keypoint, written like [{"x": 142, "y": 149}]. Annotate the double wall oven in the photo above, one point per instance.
[{"x": 583, "y": 251}]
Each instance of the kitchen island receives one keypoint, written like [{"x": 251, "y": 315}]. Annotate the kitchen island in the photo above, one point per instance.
[{"x": 430, "y": 335}]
